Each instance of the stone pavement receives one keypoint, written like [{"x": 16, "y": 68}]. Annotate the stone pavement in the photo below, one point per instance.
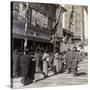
[{"x": 59, "y": 79}]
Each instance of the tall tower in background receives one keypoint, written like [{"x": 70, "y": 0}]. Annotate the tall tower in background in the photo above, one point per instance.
[{"x": 77, "y": 21}]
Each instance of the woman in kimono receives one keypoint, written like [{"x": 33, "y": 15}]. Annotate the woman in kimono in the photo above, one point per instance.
[{"x": 45, "y": 59}]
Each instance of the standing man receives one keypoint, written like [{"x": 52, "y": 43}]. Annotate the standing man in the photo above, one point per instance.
[
  {"x": 25, "y": 64},
  {"x": 45, "y": 59},
  {"x": 68, "y": 58},
  {"x": 75, "y": 60},
  {"x": 33, "y": 65}
]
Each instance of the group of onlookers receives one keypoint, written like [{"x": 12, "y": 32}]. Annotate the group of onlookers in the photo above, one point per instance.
[{"x": 41, "y": 61}]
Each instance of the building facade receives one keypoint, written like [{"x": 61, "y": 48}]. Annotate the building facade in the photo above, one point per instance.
[
  {"x": 41, "y": 19},
  {"x": 75, "y": 21}
]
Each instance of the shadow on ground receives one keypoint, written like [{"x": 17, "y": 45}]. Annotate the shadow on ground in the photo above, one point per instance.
[
  {"x": 47, "y": 77},
  {"x": 81, "y": 74},
  {"x": 44, "y": 78}
]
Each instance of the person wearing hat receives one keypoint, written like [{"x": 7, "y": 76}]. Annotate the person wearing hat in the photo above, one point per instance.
[
  {"x": 75, "y": 59},
  {"x": 25, "y": 65}
]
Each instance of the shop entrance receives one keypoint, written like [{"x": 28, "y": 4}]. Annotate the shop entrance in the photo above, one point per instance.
[{"x": 17, "y": 44}]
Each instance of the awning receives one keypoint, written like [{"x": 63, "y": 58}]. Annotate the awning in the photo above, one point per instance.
[{"x": 21, "y": 36}]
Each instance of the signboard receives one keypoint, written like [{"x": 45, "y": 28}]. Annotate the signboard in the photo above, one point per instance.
[{"x": 39, "y": 19}]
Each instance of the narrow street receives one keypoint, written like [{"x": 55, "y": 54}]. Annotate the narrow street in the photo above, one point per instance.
[{"x": 59, "y": 79}]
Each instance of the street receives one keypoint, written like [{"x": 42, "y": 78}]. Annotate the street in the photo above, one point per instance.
[{"x": 59, "y": 79}]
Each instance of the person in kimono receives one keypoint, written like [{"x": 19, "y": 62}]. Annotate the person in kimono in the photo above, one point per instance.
[
  {"x": 64, "y": 61},
  {"x": 37, "y": 60},
  {"x": 75, "y": 60},
  {"x": 68, "y": 58},
  {"x": 56, "y": 61},
  {"x": 32, "y": 67},
  {"x": 51, "y": 61},
  {"x": 45, "y": 60},
  {"x": 61, "y": 63},
  {"x": 25, "y": 65},
  {"x": 34, "y": 61}
]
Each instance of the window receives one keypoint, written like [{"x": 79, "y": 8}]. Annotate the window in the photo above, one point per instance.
[{"x": 15, "y": 8}]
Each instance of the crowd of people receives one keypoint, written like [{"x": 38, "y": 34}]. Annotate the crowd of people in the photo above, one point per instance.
[{"x": 41, "y": 61}]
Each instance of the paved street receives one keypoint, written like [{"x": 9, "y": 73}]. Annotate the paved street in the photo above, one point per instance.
[{"x": 58, "y": 80}]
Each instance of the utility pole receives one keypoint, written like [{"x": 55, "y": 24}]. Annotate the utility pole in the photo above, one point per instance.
[
  {"x": 56, "y": 27},
  {"x": 26, "y": 22}
]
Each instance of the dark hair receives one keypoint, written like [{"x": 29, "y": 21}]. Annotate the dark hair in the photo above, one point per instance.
[
  {"x": 26, "y": 50},
  {"x": 68, "y": 49}
]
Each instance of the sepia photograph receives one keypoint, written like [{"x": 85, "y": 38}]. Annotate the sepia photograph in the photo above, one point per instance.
[{"x": 49, "y": 44}]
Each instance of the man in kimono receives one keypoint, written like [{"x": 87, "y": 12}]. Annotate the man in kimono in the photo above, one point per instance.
[
  {"x": 75, "y": 60},
  {"x": 25, "y": 65},
  {"x": 45, "y": 59},
  {"x": 68, "y": 58}
]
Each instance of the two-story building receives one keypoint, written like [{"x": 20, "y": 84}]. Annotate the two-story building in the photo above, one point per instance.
[
  {"x": 41, "y": 20},
  {"x": 40, "y": 16}
]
